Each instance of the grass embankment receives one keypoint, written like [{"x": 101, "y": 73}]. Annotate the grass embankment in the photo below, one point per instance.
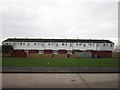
[{"x": 59, "y": 62}]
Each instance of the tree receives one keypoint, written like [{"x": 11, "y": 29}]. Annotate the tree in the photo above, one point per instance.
[
  {"x": 117, "y": 48},
  {"x": 7, "y": 48}
]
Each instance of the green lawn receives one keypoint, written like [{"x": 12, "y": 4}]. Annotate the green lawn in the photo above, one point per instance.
[{"x": 59, "y": 62}]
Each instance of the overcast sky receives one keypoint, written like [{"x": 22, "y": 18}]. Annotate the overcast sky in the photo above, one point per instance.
[{"x": 60, "y": 19}]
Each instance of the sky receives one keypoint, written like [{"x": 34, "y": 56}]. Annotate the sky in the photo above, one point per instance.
[{"x": 93, "y": 19}]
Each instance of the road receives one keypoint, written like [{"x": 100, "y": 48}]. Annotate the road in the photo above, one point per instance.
[
  {"x": 59, "y": 80},
  {"x": 61, "y": 69}
]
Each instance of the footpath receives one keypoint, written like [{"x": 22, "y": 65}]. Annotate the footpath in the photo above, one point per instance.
[{"x": 60, "y": 80}]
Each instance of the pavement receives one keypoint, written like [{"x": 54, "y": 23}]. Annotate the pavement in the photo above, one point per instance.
[
  {"x": 60, "y": 80},
  {"x": 61, "y": 69}
]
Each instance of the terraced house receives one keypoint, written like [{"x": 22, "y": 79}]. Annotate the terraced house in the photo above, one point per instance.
[{"x": 79, "y": 47}]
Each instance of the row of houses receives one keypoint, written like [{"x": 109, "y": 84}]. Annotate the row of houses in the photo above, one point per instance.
[{"x": 80, "y": 47}]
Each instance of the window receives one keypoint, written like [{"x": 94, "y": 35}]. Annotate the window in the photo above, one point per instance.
[
  {"x": 34, "y": 43},
  {"x": 84, "y": 45},
  {"x": 13, "y": 43},
  {"x": 48, "y": 43},
  {"x": 111, "y": 45},
  {"x": 90, "y": 44},
  {"x": 103, "y": 44},
  {"x": 42, "y": 44},
  {"x": 97, "y": 45},
  {"x": 70, "y": 45},
  {"x": 77, "y": 44},
  {"x": 55, "y": 52},
  {"x": 56, "y": 44},
  {"x": 69, "y": 52},
  {"x": 6, "y": 43},
  {"x": 41, "y": 52},
  {"x": 28, "y": 44},
  {"x": 23, "y": 43},
  {"x": 62, "y": 43},
  {"x": 20, "y": 43},
  {"x": 66, "y": 44}
]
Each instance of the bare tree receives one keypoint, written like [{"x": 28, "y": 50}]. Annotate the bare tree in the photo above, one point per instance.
[{"x": 117, "y": 48}]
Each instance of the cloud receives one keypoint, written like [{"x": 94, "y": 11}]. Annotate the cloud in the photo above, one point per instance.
[{"x": 58, "y": 18}]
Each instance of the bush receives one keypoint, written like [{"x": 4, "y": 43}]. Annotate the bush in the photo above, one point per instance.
[{"x": 7, "y": 48}]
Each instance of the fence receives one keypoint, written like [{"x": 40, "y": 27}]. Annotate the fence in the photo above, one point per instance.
[
  {"x": 116, "y": 54},
  {"x": 83, "y": 54},
  {"x": 71, "y": 55},
  {"x": 39, "y": 55},
  {"x": 60, "y": 55},
  {"x": 6, "y": 54}
]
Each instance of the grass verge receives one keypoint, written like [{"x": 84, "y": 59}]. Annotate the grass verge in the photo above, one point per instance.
[{"x": 59, "y": 62}]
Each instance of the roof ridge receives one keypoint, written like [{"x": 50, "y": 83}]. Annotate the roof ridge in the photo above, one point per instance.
[{"x": 56, "y": 40}]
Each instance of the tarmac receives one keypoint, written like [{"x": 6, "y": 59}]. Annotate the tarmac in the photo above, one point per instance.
[
  {"x": 60, "y": 80},
  {"x": 60, "y": 69}
]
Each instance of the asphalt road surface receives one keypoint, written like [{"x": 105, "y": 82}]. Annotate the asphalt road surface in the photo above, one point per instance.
[
  {"x": 57, "y": 80},
  {"x": 61, "y": 69}
]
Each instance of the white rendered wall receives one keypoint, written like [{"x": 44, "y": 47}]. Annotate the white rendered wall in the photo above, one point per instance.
[
  {"x": 67, "y": 46},
  {"x": 106, "y": 47}
]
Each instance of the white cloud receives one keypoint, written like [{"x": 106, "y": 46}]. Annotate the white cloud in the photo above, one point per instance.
[{"x": 58, "y": 18}]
